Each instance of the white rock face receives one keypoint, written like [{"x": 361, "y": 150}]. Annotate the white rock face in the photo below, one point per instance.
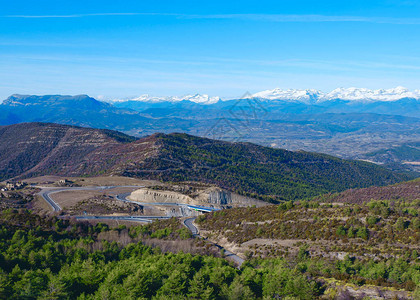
[
  {"x": 210, "y": 196},
  {"x": 151, "y": 196}
]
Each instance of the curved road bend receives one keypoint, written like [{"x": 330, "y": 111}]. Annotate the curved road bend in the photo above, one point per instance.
[
  {"x": 189, "y": 224},
  {"x": 46, "y": 192},
  {"x": 49, "y": 200}
]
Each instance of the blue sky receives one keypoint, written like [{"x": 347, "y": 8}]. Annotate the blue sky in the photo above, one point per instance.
[{"x": 118, "y": 49}]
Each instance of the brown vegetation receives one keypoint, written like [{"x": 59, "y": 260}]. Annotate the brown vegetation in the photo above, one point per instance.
[
  {"x": 378, "y": 228},
  {"x": 402, "y": 191},
  {"x": 104, "y": 204}
]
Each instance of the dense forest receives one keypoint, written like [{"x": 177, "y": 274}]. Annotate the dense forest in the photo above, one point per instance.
[
  {"x": 52, "y": 258},
  {"x": 49, "y": 258}
]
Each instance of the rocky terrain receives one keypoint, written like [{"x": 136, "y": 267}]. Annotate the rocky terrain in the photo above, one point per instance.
[
  {"x": 15, "y": 200},
  {"x": 206, "y": 196},
  {"x": 103, "y": 205}
]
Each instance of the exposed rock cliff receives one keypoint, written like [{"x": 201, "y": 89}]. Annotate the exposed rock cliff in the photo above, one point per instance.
[
  {"x": 211, "y": 196},
  {"x": 153, "y": 196}
]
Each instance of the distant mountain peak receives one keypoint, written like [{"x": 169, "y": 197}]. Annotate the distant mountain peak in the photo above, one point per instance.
[
  {"x": 196, "y": 98},
  {"x": 307, "y": 95},
  {"x": 363, "y": 94},
  {"x": 17, "y": 99},
  {"x": 350, "y": 94}
]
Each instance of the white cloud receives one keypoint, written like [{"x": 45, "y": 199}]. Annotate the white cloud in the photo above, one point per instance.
[{"x": 250, "y": 17}]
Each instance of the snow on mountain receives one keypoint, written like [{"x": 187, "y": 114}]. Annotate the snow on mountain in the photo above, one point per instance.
[
  {"x": 351, "y": 94},
  {"x": 297, "y": 95},
  {"x": 309, "y": 95},
  {"x": 360, "y": 94},
  {"x": 197, "y": 98}
]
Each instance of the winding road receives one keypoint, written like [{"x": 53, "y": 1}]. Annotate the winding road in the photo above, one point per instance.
[
  {"x": 45, "y": 193},
  {"x": 228, "y": 254},
  {"x": 189, "y": 224}
]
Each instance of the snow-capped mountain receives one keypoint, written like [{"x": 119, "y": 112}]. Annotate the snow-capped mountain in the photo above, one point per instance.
[
  {"x": 306, "y": 96},
  {"x": 360, "y": 94},
  {"x": 197, "y": 98},
  {"x": 351, "y": 94}
]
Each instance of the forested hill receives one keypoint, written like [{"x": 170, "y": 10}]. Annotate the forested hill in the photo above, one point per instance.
[
  {"x": 271, "y": 174},
  {"x": 254, "y": 170}
]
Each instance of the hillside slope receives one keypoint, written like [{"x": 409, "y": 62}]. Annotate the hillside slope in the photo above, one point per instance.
[
  {"x": 44, "y": 148},
  {"x": 406, "y": 156},
  {"x": 255, "y": 170},
  {"x": 405, "y": 191},
  {"x": 38, "y": 149}
]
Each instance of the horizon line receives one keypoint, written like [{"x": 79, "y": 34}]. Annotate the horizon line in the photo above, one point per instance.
[{"x": 106, "y": 99}]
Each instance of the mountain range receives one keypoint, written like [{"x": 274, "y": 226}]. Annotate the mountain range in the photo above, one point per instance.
[
  {"x": 196, "y": 98},
  {"x": 32, "y": 149},
  {"x": 298, "y": 95},
  {"x": 350, "y": 94},
  {"x": 343, "y": 128},
  {"x": 396, "y": 101}
]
